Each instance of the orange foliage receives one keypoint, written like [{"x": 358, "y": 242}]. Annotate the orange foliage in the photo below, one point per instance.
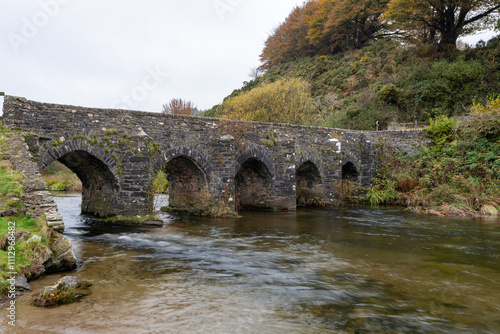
[
  {"x": 323, "y": 27},
  {"x": 288, "y": 42}
]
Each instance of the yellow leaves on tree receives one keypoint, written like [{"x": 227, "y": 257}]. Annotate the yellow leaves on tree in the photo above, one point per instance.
[{"x": 283, "y": 101}]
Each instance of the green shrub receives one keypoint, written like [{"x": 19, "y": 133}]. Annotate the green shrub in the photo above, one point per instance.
[
  {"x": 441, "y": 131},
  {"x": 389, "y": 93}
]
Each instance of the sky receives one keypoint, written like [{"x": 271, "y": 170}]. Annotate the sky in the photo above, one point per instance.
[{"x": 133, "y": 54}]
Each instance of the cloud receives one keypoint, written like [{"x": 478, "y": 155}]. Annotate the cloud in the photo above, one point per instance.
[{"x": 92, "y": 52}]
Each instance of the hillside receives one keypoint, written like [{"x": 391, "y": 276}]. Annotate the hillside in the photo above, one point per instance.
[{"x": 385, "y": 81}]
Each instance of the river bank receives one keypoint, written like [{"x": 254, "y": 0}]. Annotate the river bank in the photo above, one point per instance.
[
  {"x": 31, "y": 239},
  {"x": 457, "y": 175}
]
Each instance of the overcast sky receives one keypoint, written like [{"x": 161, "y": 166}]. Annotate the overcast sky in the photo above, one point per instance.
[{"x": 133, "y": 54}]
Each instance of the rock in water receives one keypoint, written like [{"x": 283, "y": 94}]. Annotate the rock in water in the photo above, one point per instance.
[
  {"x": 70, "y": 280},
  {"x": 62, "y": 292},
  {"x": 62, "y": 257},
  {"x": 21, "y": 283}
]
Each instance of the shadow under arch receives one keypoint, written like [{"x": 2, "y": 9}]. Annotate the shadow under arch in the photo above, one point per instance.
[
  {"x": 253, "y": 182},
  {"x": 309, "y": 185},
  {"x": 349, "y": 184},
  {"x": 99, "y": 183},
  {"x": 187, "y": 184},
  {"x": 350, "y": 172}
]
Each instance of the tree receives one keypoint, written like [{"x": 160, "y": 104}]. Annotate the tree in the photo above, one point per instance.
[
  {"x": 288, "y": 41},
  {"x": 322, "y": 27},
  {"x": 285, "y": 101},
  {"x": 440, "y": 21},
  {"x": 179, "y": 107},
  {"x": 334, "y": 25}
]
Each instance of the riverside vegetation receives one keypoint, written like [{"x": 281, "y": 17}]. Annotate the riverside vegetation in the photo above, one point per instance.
[{"x": 458, "y": 174}]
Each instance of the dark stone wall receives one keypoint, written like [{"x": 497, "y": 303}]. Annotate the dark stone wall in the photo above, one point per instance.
[{"x": 133, "y": 146}]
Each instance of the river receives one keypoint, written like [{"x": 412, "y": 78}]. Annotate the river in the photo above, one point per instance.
[{"x": 356, "y": 270}]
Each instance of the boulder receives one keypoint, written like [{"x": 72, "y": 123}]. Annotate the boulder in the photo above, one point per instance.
[
  {"x": 35, "y": 238},
  {"x": 63, "y": 291},
  {"x": 21, "y": 283},
  {"x": 62, "y": 257}
]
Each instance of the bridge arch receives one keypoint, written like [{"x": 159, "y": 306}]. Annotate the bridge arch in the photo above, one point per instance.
[
  {"x": 309, "y": 184},
  {"x": 350, "y": 172},
  {"x": 187, "y": 173},
  {"x": 97, "y": 170},
  {"x": 253, "y": 180}
]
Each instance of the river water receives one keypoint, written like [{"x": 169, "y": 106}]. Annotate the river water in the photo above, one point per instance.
[{"x": 356, "y": 270}]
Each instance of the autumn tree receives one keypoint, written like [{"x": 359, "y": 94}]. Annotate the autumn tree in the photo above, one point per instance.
[
  {"x": 324, "y": 27},
  {"x": 179, "y": 107},
  {"x": 284, "y": 101},
  {"x": 288, "y": 41},
  {"x": 439, "y": 21},
  {"x": 335, "y": 25}
]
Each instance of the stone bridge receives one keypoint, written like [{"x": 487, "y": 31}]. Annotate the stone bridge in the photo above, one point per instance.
[{"x": 209, "y": 162}]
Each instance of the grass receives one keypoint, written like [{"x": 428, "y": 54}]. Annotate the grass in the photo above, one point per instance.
[
  {"x": 10, "y": 188},
  {"x": 122, "y": 220},
  {"x": 25, "y": 252},
  {"x": 58, "y": 177}
]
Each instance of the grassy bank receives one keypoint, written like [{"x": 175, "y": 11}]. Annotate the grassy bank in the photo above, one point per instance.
[
  {"x": 459, "y": 174},
  {"x": 28, "y": 248},
  {"x": 58, "y": 177},
  {"x": 14, "y": 220}
]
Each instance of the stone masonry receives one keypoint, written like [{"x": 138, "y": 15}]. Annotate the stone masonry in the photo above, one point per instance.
[
  {"x": 37, "y": 199},
  {"x": 117, "y": 153}
]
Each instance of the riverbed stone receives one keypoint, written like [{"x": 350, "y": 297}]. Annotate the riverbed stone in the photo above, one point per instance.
[
  {"x": 70, "y": 280},
  {"x": 62, "y": 257},
  {"x": 21, "y": 283},
  {"x": 153, "y": 223}
]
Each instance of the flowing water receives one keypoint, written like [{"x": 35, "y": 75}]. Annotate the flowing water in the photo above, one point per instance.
[{"x": 358, "y": 270}]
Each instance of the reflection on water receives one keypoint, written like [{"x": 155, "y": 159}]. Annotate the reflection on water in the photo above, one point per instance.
[{"x": 360, "y": 270}]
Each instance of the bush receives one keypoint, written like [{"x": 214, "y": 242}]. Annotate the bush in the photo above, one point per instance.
[
  {"x": 485, "y": 122},
  {"x": 389, "y": 93},
  {"x": 287, "y": 100},
  {"x": 441, "y": 131}
]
